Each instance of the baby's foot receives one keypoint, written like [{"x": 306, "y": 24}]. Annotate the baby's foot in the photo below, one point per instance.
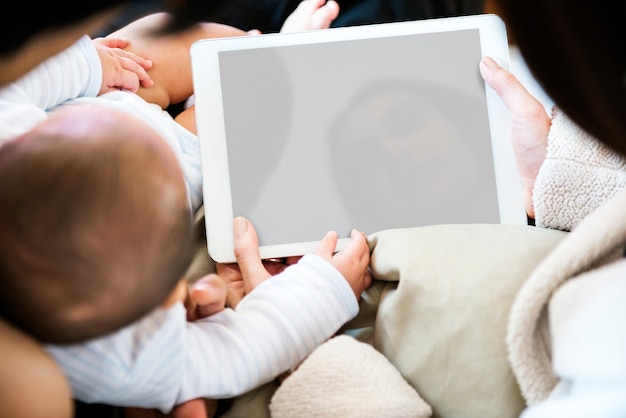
[{"x": 311, "y": 15}]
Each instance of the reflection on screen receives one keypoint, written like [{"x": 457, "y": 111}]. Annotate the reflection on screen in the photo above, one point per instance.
[{"x": 370, "y": 134}]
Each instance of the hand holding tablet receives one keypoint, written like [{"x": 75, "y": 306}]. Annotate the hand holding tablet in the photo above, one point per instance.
[{"x": 370, "y": 127}]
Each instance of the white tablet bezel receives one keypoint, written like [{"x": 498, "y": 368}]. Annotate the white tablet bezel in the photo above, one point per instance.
[{"x": 211, "y": 129}]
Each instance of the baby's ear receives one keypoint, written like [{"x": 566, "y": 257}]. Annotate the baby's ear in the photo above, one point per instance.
[
  {"x": 344, "y": 374},
  {"x": 178, "y": 294}
]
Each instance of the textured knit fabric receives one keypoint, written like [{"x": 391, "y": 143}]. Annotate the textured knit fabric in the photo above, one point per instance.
[
  {"x": 565, "y": 338},
  {"x": 579, "y": 174},
  {"x": 162, "y": 360},
  {"x": 345, "y": 378}
]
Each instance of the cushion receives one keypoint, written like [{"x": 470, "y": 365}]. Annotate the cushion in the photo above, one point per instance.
[
  {"x": 441, "y": 316},
  {"x": 349, "y": 379},
  {"x": 438, "y": 311}
]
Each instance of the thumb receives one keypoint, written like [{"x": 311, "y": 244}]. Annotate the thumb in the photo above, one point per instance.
[
  {"x": 246, "y": 246},
  {"x": 328, "y": 244},
  {"x": 511, "y": 91}
]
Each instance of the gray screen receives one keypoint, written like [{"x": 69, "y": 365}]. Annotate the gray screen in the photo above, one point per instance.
[{"x": 370, "y": 134}]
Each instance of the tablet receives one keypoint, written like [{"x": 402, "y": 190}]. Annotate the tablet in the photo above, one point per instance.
[{"x": 370, "y": 127}]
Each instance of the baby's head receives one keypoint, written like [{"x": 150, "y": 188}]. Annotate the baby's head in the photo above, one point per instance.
[{"x": 95, "y": 225}]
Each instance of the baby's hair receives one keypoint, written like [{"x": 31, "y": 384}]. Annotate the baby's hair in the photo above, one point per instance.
[{"x": 93, "y": 234}]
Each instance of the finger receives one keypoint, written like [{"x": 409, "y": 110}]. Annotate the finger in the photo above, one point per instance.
[
  {"x": 113, "y": 42},
  {"x": 120, "y": 53},
  {"x": 246, "y": 246},
  {"x": 356, "y": 246},
  {"x": 231, "y": 274},
  {"x": 327, "y": 245},
  {"x": 209, "y": 295},
  {"x": 353, "y": 263},
  {"x": 144, "y": 62},
  {"x": 228, "y": 271},
  {"x": 190, "y": 306},
  {"x": 126, "y": 80},
  {"x": 138, "y": 70},
  {"x": 356, "y": 253},
  {"x": 194, "y": 408}
]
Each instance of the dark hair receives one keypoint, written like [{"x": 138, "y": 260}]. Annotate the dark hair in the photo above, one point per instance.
[
  {"x": 576, "y": 51},
  {"x": 187, "y": 13},
  {"x": 31, "y": 21},
  {"x": 93, "y": 234}
]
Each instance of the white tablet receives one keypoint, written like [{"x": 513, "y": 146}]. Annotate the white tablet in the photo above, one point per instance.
[{"x": 370, "y": 127}]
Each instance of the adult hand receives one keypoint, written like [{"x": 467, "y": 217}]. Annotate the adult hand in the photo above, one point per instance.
[
  {"x": 531, "y": 125},
  {"x": 249, "y": 270},
  {"x": 352, "y": 262},
  {"x": 121, "y": 70},
  {"x": 209, "y": 295}
]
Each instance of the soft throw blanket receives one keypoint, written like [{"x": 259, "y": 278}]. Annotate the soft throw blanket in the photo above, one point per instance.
[{"x": 347, "y": 378}]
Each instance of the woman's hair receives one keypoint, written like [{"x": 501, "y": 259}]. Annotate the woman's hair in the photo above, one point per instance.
[
  {"x": 93, "y": 234},
  {"x": 576, "y": 51}
]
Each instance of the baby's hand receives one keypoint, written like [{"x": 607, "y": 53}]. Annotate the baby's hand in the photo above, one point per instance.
[
  {"x": 121, "y": 70},
  {"x": 352, "y": 262},
  {"x": 207, "y": 296}
]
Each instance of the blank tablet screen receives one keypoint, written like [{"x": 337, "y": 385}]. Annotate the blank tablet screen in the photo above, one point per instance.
[{"x": 368, "y": 133}]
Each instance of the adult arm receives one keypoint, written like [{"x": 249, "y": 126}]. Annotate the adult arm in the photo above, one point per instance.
[{"x": 565, "y": 172}]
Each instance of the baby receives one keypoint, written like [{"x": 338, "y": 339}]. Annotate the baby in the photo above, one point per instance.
[
  {"x": 95, "y": 227},
  {"x": 111, "y": 240},
  {"x": 96, "y": 214}
]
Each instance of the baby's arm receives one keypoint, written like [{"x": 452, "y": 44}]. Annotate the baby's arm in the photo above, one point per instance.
[
  {"x": 271, "y": 330},
  {"x": 74, "y": 72},
  {"x": 169, "y": 53},
  {"x": 226, "y": 354},
  {"x": 163, "y": 360},
  {"x": 352, "y": 263}
]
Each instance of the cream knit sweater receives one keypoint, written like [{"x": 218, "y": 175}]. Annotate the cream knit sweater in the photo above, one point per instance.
[
  {"x": 580, "y": 177},
  {"x": 579, "y": 174}
]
